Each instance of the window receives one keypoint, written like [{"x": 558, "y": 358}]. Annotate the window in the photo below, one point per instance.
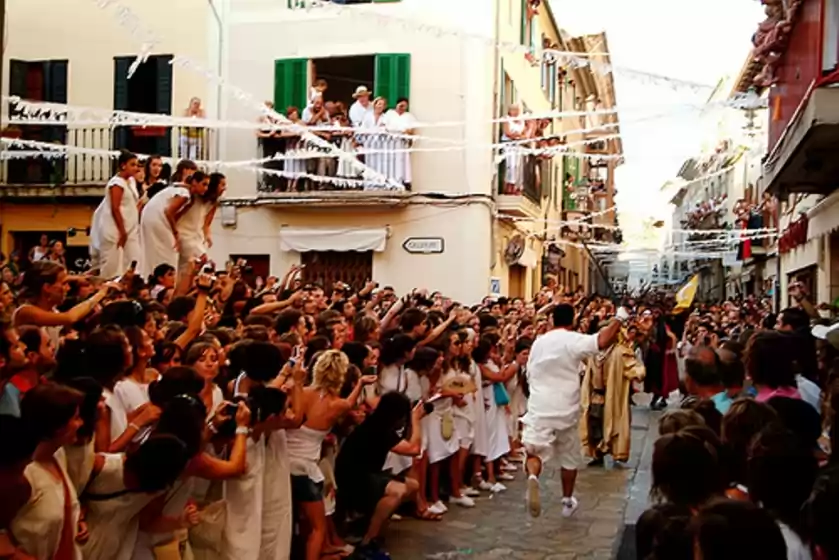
[
  {"x": 327, "y": 267},
  {"x": 148, "y": 91}
]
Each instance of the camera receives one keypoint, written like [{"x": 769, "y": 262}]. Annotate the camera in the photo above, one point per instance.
[{"x": 263, "y": 403}]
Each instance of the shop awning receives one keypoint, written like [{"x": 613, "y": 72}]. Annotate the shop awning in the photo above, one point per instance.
[
  {"x": 302, "y": 240},
  {"x": 823, "y": 218}
]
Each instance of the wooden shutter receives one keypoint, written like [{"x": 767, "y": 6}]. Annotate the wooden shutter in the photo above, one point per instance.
[
  {"x": 121, "y": 65},
  {"x": 393, "y": 77},
  {"x": 571, "y": 166},
  {"x": 291, "y": 83},
  {"x": 55, "y": 81},
  {"x": 163, "y": 100}
]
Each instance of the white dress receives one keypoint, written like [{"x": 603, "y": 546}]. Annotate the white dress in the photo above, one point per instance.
[
  {"x": 119, "y": 416},
  {"x": 131, "y": 394},
  {"x": 156, "y": 233},
  {"x": 37, "y": 527},
  {"x": 112, "y": 513},
  {"x": 464, "y": 416},
  {"x": 497, "y": 436},
  {"x": 402, "y": 157},
  {"x": 517, "y": 407},
  {"x": 276, "y": 500},
  {"x": 244, "y": 496},
  {"x": 513, "y": 172},
  {"x": 104, "y": 253},
  {"x": 191, "y": 230},
  {"x": 406, "y": 381},
  {"x": 373, "y": 136},
  {"x": 440, "y": 448},
  {"x": 480, "y": 444}
]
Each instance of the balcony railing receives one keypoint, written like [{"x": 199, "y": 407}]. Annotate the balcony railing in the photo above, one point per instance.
[
  {"x": 523, "y": 174},
  {"x": 577, "y": 225},
  {"x": 292, "y": 166},
  {"x": 88, "y": 160}
]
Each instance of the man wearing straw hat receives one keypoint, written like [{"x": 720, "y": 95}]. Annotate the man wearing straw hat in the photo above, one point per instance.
[{"x": 361, "y": 107}]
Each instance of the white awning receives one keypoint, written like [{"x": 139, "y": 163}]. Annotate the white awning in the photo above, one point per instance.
[
  {"x": 823, "y": 217},
  {"x": 302, "y": 240}
]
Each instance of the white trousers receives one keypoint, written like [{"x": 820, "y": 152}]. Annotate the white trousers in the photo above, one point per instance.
[{"x": 112, "y": 261}]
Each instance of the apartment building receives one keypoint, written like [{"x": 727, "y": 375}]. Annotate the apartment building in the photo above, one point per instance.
[
  {"x": 456, "y": 227},
  {"x": 78, "y": 52}
]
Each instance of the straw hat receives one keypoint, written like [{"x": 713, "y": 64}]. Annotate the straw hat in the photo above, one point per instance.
[{"x": 361, "y": 91}]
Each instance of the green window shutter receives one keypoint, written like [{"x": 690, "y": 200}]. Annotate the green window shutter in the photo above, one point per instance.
[
  {"x": 523, "y": 26},
  {"x": 571, "y": 165},
  {"x": 121, "y": 65},
  {"x": 291, "y": 83},
  {"x": 163, "y": 103},
  {"x": 55, "y": 81},
  {"x": 393, "y": 77}
]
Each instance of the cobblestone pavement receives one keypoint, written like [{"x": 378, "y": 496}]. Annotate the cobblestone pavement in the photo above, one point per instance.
[{"x": 500, "y": 528}]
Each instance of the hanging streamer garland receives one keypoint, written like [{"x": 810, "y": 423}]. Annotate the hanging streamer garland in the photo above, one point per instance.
[{"x": 127, "y": 18}]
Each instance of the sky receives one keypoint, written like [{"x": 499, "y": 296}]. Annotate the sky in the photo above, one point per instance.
[{"x": 688, "y": 40}]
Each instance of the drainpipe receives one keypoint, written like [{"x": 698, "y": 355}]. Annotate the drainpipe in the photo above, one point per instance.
[
  {"x": 220, "y": 55},
  {"x": 494, "y": 186}
]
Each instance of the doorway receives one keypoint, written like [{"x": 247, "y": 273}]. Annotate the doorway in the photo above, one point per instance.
[
  {"x": 38, "y": 81},
  {"x": 518, "y": 281},
  {"x": 149, "y": 90},
  {"x": 328, "y": 267},
  {"x": 343, "y": 75}
]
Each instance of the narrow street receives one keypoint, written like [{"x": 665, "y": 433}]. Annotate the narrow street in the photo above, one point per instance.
[{"x": 609, "y": 498}]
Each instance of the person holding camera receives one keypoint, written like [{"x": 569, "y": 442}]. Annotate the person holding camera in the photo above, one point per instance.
[
  {"x": 323, "y": 407},
  {"x": 363, "y": 487}
]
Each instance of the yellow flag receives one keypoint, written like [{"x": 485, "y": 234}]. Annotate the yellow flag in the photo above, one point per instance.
[{"x": 685, "y": 295}]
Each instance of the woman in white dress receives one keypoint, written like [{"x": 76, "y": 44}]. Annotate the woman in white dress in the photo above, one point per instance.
[
  {"x": 114, "y": 229},
  {"x": 486, "y": 355},
  {"x": 47, "y": 526},
  {"x": 194, "y": 224},
  {"x": 377, "y": 143},
  {"x": 133, "y": 390},
  {"x": 159, "y": 223},
  {"x": 294, "y": 146},
  {"x": 512, "y": 130},
  {"x": 401, "y": 121}
]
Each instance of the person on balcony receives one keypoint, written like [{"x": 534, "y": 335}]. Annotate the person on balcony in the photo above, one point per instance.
[
  {"x": 377, "y": 143},
  {"x": 115, "y": 227},
  {"x": 402, "y": 122},
  {"x": 362, "y": 106},
  {"x": 159, "y": 231},
  {"x": 191, "y": 136},
  {"x": 513, "y": 129},
  {"x": 296, "y": 165}
]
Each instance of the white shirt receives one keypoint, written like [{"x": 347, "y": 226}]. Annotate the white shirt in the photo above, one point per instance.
[
  {"x": 358, "y": 112},
  {"x": 553, "y": 373},
  {"x": 308, "y": 113},
  {"x": 400, "y": 123},
  {"x": 402, "y": 380}
]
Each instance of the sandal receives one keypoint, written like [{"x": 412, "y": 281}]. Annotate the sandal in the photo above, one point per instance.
[{"x": 426, "y": 515}]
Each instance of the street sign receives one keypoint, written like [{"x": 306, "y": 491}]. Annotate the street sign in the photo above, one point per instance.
[{"x": 424, "y": 245}]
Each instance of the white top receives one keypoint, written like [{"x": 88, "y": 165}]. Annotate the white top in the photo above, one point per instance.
[
  {"x": 553, "y": 373},
  {"x": 308, "y": 114},
  {"x": 402, "y": 380},
  {"x": 103, "y": 226},
  {"x": 796, "y": 549},
  {"x": 371, "y": 124},
  {"x": 358, "y": 112},
  {"x": 39, "y": 523},
  {"x": 131, "y": 394},
  {"x": 159, "y": 202},
  {"x": 119, "y": 416},
  {"x": 400, "y": 123}
]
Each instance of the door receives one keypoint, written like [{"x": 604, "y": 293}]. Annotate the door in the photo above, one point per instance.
[
  {"x": 518, "y": 281},
  {"x": 328, "y": 267}
]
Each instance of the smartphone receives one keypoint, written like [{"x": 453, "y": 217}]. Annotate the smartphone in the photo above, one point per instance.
[{"x": 133, "y": 266}]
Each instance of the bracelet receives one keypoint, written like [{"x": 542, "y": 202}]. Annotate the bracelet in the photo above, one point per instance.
[
  {"x": 243, "y": 431},
  {"x": 135, "y": 426}
]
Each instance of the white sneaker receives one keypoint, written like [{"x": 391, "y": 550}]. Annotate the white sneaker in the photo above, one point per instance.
[
  {"x": 569, "y": 506},
  {"x": 508, "y": 467},
  {"x": 437, "y": 509},
  {"x": 487, "y": 486},
  {"x": 505, "y": 476},
  {"x": 497, "y": 487},
  {"x": 396, "y": 517},
  {"x": 534, "y": 502},
  {"x": 463, "y": 501},
  {"x": 469, "y": 491}
]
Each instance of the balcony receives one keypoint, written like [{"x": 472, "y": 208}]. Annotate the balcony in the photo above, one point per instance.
[
  {"x": 580, "y": 229},
  {"x": 804, "y": 159},
  {"x": 83, "y": 168},
  {"x": 521, "y": 181}
]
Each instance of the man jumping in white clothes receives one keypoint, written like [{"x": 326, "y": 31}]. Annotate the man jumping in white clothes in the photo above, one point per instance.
[{"x": 553, "y": 408}]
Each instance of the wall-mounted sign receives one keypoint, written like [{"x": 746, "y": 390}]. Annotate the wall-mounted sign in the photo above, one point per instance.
[
  {"x": 495, "y": 286},
  {"x": 424, "y": 245}
]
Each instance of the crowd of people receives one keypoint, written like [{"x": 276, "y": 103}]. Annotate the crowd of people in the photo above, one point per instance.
[
  {"x": 367, "y": 130},
  {"x": 161, "y": 406}
]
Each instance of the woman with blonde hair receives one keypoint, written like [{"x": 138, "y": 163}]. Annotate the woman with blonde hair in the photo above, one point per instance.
[{"x": 322, "y": 408}]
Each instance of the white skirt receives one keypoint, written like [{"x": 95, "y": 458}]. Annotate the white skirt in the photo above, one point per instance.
[
  {"x": 439, "y": 449},
  {"x": 496, "y": 421}
]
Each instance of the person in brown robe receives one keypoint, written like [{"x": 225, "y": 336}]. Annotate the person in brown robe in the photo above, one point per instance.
[{"x": 604, "y": 397}]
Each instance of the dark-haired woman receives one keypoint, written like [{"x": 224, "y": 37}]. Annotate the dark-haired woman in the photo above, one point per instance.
[
  {"x": 114, "y": 229},
  {"x": 159, "y": 223},
  {"x": 194, "y": 224},
  {"x": 46, "y": 527},
  {"x": 162, "y": 277}
]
